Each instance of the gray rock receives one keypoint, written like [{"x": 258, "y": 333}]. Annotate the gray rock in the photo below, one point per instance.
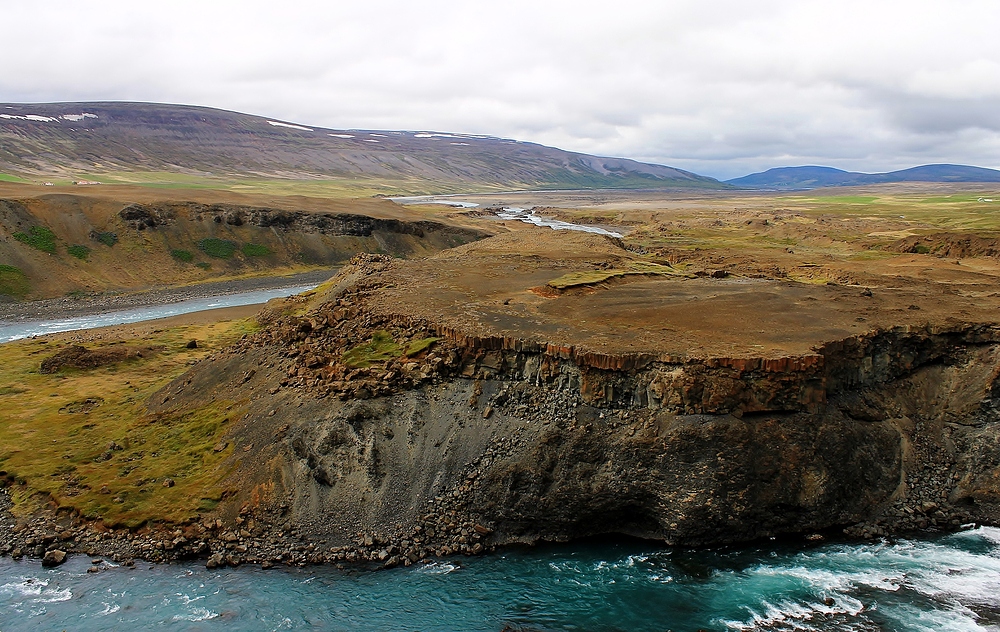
[
  {"x": 54, "y": 557},
  {"x": 215, "y": 561}
]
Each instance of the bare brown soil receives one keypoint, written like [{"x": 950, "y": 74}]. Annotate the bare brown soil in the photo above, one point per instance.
[
  {"x": 490, "y": 289},
  {"x": 79, "y": 357}
]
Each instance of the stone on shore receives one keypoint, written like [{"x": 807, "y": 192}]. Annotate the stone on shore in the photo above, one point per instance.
[{"x": 53, "y": 558}]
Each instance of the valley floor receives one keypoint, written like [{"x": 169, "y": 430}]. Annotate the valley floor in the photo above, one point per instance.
[{"x": 88, "y": 304}]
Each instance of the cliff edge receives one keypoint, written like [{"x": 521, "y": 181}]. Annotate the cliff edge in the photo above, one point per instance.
[{"x": 551, "y": 386}]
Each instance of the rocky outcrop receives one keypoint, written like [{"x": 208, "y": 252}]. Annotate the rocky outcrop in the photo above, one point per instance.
[
  {"x": 951, "y": 245},
  {"x": 318, "y": 342},
  {"x": 465, "y": 442},
  {"x": 470, "y": 448},
  {"x": 78, "y": 357},
  {"x": 142, "y": 216}
]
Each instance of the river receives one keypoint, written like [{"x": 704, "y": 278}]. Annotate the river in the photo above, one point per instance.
[
  {"x": 528, "y": 216},
  {"x": 934, "y": 584},
  {"x": 16, "y": 330}
]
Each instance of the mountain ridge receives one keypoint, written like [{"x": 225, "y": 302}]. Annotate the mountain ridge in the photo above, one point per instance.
[
  {"x": 815, "y": 176},
  {"x": 78, "y": 139}
]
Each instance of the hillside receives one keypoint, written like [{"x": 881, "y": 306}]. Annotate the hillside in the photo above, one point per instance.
[
  {"x": 56, "y": 242},
  {"x": 812, "y": 177},
  {"x": 100, "y": 140}
]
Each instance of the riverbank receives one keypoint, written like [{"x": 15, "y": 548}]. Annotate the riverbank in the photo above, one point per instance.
[
  {"x": 86, "y": 305},
  {"x": 269, "y": 539},
  {"x": 942, "y": 583}
]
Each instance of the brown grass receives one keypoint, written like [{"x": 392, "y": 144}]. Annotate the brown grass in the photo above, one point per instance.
[{"x": 84, "y": 440}]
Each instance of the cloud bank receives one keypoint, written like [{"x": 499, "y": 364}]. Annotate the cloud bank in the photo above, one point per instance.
[{"x": 722, "y": 88}]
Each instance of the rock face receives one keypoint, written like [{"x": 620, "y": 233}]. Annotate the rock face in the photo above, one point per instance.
[
  {"x": 951, "y": 245},
  {"x": 54, "y": 557},
  {"x": 142, "y": 216},
  {"x": 880, "y": 432}
]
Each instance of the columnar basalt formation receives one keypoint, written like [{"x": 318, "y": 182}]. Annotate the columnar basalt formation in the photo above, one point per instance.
[
  {"x": 525, "y": 439},
  {"x": 366, "y": 424}
]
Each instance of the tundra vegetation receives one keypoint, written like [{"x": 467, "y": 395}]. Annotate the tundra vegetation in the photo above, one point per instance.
[
  {"x": 95, "y": 440},
  {"x": 84, "y": 440}
]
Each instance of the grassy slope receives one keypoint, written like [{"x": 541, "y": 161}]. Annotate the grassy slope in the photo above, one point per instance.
[
  {"x": 319, "y": 187},
  {"x": 54, "y": 448},
  {"x": 354, "y": 187},
  {"x": 142, "y": 259}
]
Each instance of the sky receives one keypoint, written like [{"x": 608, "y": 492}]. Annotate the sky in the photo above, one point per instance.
[{"x": 722, "y": 88}]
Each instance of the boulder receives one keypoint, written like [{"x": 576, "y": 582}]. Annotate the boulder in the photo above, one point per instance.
[{"x": 55, "y": 557}]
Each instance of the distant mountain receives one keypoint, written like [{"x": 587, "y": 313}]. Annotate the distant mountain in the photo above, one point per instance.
[
  {"x": 794, "y": 178},
  {"x": 815, "y": 177},
  {"x": 76, "y": 139}
]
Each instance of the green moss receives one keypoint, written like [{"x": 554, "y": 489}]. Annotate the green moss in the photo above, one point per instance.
[
  {"x": 13, "y": 282},
  {"x": 255, "y": 250},
  {"x": 79, "y": 251},
  {"x": 208, "y": 504},
  {"x": 218, "y": 248},
  {"x": 417, "y": 346},
  {"x": 182, "y": 255},
  {"x": 381, "y": 348},
  {"x": 38, "y": 237},
  {"x": 107, "y": 238}
]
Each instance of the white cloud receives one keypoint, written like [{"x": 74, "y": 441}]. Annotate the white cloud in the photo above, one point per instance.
[{"x": 721, "y": 87}]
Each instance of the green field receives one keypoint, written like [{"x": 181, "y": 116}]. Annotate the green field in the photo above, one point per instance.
[{"x": 84, "y": 439}]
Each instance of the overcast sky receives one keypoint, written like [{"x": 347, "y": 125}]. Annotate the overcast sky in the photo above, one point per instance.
[{"x": 722, "y": 88}]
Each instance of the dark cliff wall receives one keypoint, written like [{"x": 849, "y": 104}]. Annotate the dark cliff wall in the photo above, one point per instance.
[
  {"x": 879, "y": 433},
  {"x": 128, "y": 246}
]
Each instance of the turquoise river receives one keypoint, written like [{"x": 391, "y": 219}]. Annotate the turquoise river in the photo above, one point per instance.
[{"x": 935, "y": 583}]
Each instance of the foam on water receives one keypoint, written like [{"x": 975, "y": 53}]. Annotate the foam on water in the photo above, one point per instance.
[
  {"x": 196, "y": 614},
  {"x": 942, "y": 584},
  {"x": 33, "y": 590},
  {"x": 109, "y": 608},
  {"x": 438, "y": 568},
  {"x": 529, "y": 217},
  {"x": 924, "y": 585}
]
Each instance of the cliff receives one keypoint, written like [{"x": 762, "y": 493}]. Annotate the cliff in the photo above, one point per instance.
[
  {"x": 56, "y": 244},
  {"x": 382, "y": 436}
]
